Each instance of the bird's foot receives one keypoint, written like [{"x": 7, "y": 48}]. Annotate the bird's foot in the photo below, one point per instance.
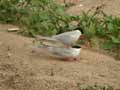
[
  {"x": 71, "y": 58},
  {"x": 77, "y": 58}
]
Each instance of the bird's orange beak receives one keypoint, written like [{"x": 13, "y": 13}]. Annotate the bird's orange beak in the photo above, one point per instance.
[{"x": 81, "y": 37}]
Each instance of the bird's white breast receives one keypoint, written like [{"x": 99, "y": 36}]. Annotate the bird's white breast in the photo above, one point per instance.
[{"x": 65, "y": 52}]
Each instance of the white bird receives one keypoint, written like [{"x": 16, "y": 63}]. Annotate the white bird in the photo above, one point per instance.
[
  {"x": 67, "y": 38},
  {"x": 69, "y": 54},
  {"x": 57, "y": 44}
]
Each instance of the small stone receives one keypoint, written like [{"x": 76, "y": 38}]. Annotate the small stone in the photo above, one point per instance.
[
  {"x": 13, "y": 29},
  {"x": 80, "y": 5},
  {"x": 101, "y": 75},
  {"x": 9, "y": 55}
]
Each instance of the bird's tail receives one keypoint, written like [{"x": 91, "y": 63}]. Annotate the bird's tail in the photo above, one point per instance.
[
  {"x": 46, "y": 47},
  {"x": 42, "y": 38}
]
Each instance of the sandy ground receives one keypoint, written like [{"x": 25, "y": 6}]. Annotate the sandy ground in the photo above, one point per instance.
[
  {"x": 23, "y": 69},
  {"x": 110, "y": 7}
]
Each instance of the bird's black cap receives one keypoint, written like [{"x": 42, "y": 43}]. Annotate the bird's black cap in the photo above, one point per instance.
[
  {"x": 79, "y": 28},
  {"x": 76, "y": 46}
]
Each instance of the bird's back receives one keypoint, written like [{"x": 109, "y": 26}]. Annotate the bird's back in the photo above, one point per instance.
[{"x": 68, "y": 37}]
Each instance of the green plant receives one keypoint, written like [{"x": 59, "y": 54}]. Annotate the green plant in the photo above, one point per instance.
[
  {"x": 44, "y": 17},
  {"x": 10, "y": 11},
  {"x": 104, "y": 31},
  {"x": 97, "y": 87},
  {"x": 47, "y": 18}
]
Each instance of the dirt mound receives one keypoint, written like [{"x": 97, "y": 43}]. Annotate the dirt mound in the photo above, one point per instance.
[
  {"x": 21, "y": 68},
  {"x": 111, "y": 7}
]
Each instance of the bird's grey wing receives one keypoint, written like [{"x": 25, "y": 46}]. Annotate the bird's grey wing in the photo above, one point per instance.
[
  {"x": 66, "y": 39},
  {"x": 62, "y": 52},
  {"x": 48, "y": 41}
]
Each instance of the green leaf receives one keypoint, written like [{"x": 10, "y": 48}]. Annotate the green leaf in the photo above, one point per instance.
[
  {"x": 60, "y": 10},
  {"x": 108, "y": 19},
  {"x": 100, "y": 30},
  {"x": 111, "y": 28},
  {"x": 95, "y": 42},
  {"x": 91, "y": 31},
  {"x": 114, "y": 39},
  {"x": 107, "y": 45}
]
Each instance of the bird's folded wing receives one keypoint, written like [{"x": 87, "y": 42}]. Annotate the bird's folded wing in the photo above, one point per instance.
[{"x": 47, "y": 41}]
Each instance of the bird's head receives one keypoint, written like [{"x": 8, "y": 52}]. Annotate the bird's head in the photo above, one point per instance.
[{"x": 80, "y": 30}]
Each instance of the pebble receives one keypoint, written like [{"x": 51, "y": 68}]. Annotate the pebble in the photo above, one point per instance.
[
  {"x": 13, "y": 29},
  {"x": 9, "y": 54},
  {"x": 80, "y": 5}
]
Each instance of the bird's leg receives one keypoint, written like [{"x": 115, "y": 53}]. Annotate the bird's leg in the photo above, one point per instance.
[
  {"x": 66, "y": 46},
  {"x": 69, "y": 58},
  {"x": 77, "y": 58}
]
